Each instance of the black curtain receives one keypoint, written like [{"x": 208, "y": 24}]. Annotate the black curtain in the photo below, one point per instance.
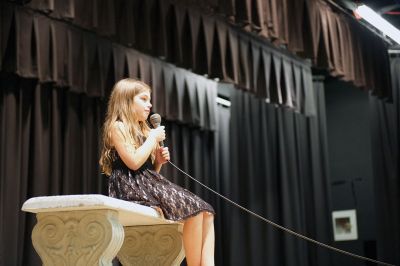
[
  {"x": 385, "y": 122},
  {"x": 223, "y": 217},
  {"x": 192, "y": 149},
  {"x": 195, "y": 151},
  {"x": 49, "y": 146},
  {"x": 278, "y": 169},
  {"x": 50, "y": 143},
  {"x": 269, "y": 159}
]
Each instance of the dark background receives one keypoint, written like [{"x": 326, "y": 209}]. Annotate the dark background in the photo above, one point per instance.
[{"x": 350, "y": 156}]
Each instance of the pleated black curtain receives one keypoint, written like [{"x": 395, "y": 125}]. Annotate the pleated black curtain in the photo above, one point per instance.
[
  {"x": 50, "y": 142},
  {"x": 49, "y": 146},
  {"x": 65, "y": 60},
  {"x": 275, "y": 165},
  {"x": 224, "y": 180},
  {"x": 278, "y": 169},
  {"x": 385, "y": 122},
  {"x": 194, "y": 151},
  {"x": 54, "y": 84},
  {"x": 190, "y": 34}
]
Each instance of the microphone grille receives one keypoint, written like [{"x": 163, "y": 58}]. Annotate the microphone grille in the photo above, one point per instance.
[{"x": 155, "y": 120}]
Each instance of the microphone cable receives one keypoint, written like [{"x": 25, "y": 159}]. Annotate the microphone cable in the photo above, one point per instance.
[{"x": 282, "y": 227}]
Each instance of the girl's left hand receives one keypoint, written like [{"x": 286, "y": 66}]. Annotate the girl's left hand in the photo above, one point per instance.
[{"x": 162, "y": 155}]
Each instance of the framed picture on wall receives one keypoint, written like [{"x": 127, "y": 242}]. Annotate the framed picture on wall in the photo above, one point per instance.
[{"x": 345, "y": 225}]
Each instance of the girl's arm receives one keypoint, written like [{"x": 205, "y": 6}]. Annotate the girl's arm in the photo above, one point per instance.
[
  {"x": 134, "y": 158},
  {"x": 162, "y": 156},
  {"x": 157, "y": 167}
]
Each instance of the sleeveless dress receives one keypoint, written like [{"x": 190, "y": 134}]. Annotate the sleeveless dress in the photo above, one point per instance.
[{"x": 147, "y": 187}]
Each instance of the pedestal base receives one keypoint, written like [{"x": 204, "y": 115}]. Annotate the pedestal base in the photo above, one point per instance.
[
  {"x": 152, "y": 245},
  {"x": 78, "y": 237},
  {"x": 89, "y": 230}
]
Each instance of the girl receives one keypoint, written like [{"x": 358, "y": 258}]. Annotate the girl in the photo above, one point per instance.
[{"x": 132, "y": 158}]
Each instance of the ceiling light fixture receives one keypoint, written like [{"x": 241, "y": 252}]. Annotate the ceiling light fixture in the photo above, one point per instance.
[{"x": 378, "y": 22}]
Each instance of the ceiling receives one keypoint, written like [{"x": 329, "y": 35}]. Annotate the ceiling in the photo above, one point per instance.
[{"x": 389, "y": 9}]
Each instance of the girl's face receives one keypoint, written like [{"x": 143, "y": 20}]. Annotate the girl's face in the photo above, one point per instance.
[{"x": 142, "y": 105}]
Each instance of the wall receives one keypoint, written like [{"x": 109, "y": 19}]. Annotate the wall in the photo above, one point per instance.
[{"x": 349, "y": 142}]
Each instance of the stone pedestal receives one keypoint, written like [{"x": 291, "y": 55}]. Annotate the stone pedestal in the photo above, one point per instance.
[
  {"x": 152, "y": 245},
  {"x": 91, "y": 229},
  {"x": 78, "y": 237}
]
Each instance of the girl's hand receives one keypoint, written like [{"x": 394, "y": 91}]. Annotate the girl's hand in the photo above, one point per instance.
[
  {"x": 158, "y": 133},
  {"x": 162, "y": 156}
]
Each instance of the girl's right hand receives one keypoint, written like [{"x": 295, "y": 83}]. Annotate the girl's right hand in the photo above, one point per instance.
[{"x": 158, "y": 133}]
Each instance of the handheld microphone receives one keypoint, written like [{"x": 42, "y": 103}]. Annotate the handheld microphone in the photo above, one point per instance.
[{"x": 155, "y": 120}]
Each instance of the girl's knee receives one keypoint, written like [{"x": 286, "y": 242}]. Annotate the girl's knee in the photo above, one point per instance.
[
  {"x": 196, "y": 217},
  {"x": 208, "y": 215},
  {"x": 204, "y": 215}
]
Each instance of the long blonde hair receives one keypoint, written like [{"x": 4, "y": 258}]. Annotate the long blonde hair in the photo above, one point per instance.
[{"x": 120, "y": 109}]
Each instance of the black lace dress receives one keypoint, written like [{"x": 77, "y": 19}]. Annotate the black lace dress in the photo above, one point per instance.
[{"x": 147, "y": 187}]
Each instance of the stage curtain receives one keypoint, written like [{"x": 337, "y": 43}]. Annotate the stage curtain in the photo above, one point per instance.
[
  {"x": 193, "y": 34},
  {"x": 50, "y": 143},
  {"x": 75, "y": 52},
  {"x": 385, "y": 123},
  {"x": 277, "y": 168},
  {"x": 40, "y": 47},
  {"x": 55, "y": 79},
  {"x": 49, "y": 146}
]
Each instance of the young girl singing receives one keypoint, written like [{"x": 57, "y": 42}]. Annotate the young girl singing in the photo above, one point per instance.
[{"x": 132, "y": 158}]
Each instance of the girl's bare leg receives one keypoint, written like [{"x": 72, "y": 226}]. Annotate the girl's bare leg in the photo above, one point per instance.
[
  {"x": 208, "y": 244},
  {"x": 192, "y": 239}
]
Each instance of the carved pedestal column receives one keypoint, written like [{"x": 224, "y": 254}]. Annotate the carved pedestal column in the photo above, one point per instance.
[
  {"x": 77, "y": 237},
  {"x": 152, "y": 245}
]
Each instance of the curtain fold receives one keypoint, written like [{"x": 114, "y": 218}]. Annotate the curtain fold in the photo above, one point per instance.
[
  {"x": 385, "y": 123},
  {"x": 268, "y": 159},
  {"x": 37, "y": 46},
  {"x": 278, "y": 169},
  {"x": 189, "y": 33},
  {"x": 49, "y": 146},
  {"x": 75, "y": 53},
  {"x": 193, "y": 150}
]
